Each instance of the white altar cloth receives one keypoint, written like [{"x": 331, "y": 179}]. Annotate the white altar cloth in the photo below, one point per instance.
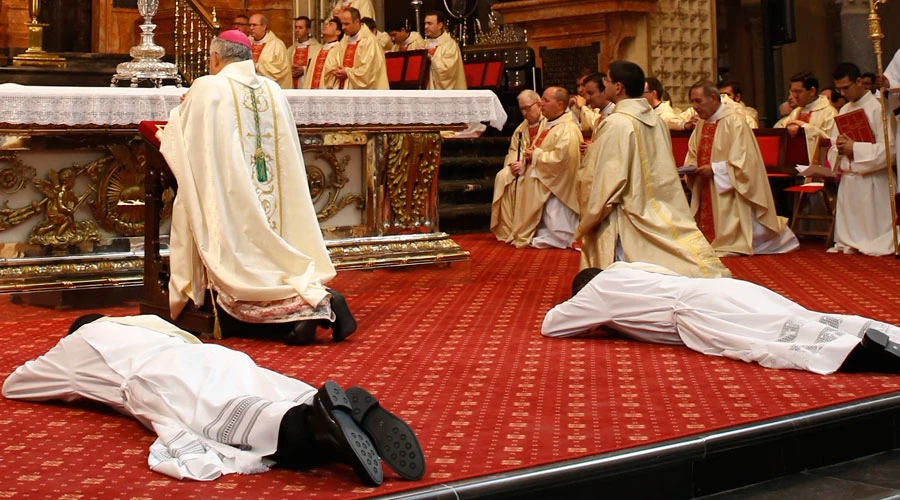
[{"x": 111, "y": 106}]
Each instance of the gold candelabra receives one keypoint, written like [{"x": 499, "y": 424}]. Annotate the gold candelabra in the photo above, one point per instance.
[{"x": 35, "y": 55}]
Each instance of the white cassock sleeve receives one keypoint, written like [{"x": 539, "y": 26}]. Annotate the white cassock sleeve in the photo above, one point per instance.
[
  {"x": 579, "y": 314},
  {"x": 49, "y": 376},
  {"x": 720, "y": 177}
]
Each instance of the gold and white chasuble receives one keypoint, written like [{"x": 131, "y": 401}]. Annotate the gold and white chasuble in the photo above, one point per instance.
[
  {"x": 413, "y": 42},
  {"x": 363, "y": 59},
  {"x": 316, "y": 77},
  {"x": 631, "y": 198},
  {"x": 818, "y": 117},
  {"x": 271, "y": 58},
  {"x": 551, "y": 173},
  {"x": 447, "y": 71},
  {"x": 740, "y": 198},
  {"x": 243, "y": 222},
  {"x": 505, "y": 182}
]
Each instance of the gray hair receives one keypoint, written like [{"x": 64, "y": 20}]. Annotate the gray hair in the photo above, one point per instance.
[
  {"x": 709, "y": 89},
  {"x": 229, "y": 51},
  {"x": 530, "y": 94}
]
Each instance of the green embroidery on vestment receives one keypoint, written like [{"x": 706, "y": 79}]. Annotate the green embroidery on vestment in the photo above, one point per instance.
[{"x": 259, "y": 157}]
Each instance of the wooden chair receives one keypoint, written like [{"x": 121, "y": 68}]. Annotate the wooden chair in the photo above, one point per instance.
[
  {"x": 408, "y": 70},
  {"x": 155, "y": 295},
  {"x": 680, "y": 141},
  {"x": 804, "y": 196},
  {"x": 773, "y": 147}
]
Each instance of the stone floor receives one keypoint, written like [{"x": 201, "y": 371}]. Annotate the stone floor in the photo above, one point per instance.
[{"x": 868, "y": 478}]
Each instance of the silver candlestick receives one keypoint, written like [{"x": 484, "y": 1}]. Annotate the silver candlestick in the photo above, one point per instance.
[
  {"x": 417, "y": 5},
  {"x": 147, "y": 64}
]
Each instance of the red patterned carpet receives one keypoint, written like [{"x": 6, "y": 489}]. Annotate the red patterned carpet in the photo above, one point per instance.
[{"x": 461, "y": 358}]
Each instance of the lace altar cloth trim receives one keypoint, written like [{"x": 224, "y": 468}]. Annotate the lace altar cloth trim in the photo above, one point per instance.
[{"x": 70, "y": 106}]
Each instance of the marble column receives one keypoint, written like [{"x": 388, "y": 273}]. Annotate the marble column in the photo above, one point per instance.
[{"x": 856, "y": 47}]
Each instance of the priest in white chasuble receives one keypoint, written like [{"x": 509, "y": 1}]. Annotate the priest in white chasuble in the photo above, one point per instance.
[
  {"x": 731, "y": 196},
  {"x": 325, "y": 56},
  {"x": 404, "y": 39},
  {"x": 862, "y": 219},
  {"x": 447, "y": 71},
  {"x": 303, "y": 52},
  {"x": 359, "y": 58},
  {"x": 270, "y": 55},
  {"x": 507, "y": 180},
  {"x": 546, "y": 209},
  {"x": 631, "y": 202},
  {"x": 810, "y": 111},
  {"x": 243, "y": 222}
]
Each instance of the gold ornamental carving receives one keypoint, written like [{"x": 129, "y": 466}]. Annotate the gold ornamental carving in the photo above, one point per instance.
[
  {"x": 59, "y": 229},
  {"x": 115, "y": 197},
  {"x": 412, "y": 165},
  {"x": 329, "y": 185}
]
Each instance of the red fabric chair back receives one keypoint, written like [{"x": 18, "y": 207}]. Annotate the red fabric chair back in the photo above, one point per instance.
[{"x": 680, "y": 140}]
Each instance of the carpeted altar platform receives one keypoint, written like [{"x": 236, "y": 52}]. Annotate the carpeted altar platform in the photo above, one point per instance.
[{"x": 499, "y": 409}]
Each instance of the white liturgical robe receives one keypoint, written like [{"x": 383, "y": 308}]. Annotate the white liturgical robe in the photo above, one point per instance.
[
  {"x": 721, "y": 317},
  {"x": 213, "y": 409},
  {"x": 245, "y": 228},
  {"x": 862, "y": 217}
]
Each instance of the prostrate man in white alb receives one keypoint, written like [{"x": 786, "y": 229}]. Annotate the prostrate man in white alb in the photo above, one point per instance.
[
  {"x": 548, "y": 179},
  {"x": 631, "y": 202},
  {"x": 506, "y": 202},
  {"x": 304, "y": 51},
  {"x": 447, "y": 71},
  {"x": 243, "y": 223},
  {"x": 722, "y": 317},
  {"x": 862, "y": 218},
  {"x": 269, "y": 53},
  {"x": 214, "y": 411}
]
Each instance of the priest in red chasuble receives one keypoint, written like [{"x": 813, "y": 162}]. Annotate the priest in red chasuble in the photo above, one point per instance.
[
  {"x": 360, "y": 60},
  {"x": 731, "y": 197},
  {"x": 269, "y": 53},
  {"x": 305, "y": 49}
]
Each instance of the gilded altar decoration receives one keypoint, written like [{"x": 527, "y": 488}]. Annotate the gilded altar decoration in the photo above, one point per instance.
[
  {"x": 14, "y": 177},
  {"x": 119, "y": 205},
  {"x": 329, "y": 185},
  {"x": 59, "y": 229},
  {"x": 412, "y": 176}
]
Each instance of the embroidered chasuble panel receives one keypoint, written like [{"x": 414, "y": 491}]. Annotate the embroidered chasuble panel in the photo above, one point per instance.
[
  {"x": 705, "y": 219},
  {"x": 256, "y": 113}
]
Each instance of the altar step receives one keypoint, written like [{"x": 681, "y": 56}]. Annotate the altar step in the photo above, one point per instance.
[{"x": 466, "y": 182}]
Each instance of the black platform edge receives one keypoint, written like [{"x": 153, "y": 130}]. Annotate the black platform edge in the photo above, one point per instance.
[{"x": 648, "y": 471}]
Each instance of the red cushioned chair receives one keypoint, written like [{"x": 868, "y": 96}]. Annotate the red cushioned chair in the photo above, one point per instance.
[
  {"x": 680, "y": 141},
  {"x": 408, "y": 70}
]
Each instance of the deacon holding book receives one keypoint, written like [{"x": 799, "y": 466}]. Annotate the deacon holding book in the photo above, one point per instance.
[{"x": 863, "y": 214}]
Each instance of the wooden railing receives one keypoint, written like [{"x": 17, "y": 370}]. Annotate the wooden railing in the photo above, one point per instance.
[{"x": 195, "y": 27}]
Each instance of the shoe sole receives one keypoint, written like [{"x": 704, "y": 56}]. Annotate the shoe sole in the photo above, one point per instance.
[
  {"x": 344, "y": 324},
  {"x": 393, "y": 438},
  {"x": 365, "y": 460}
]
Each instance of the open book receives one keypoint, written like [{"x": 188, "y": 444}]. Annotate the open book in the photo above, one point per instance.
[{"x": 814, "y": 171}]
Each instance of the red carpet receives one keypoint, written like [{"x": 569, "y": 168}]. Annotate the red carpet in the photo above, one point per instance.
[{"x": 461, "y": 358}]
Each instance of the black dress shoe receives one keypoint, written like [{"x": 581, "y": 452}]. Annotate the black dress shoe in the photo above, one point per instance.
[
  {"x": 344, "y": 323},
  {"x": 303, "y": 333},
  {"x": 339, "y": 437},
  {"x": 396, "y": 443},
  {"x": 888, "y": 350}
]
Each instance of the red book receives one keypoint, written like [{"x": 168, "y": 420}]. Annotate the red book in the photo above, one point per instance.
[
  {"x": 855, "y": 126},
  {"x": 149, "y": 130}
]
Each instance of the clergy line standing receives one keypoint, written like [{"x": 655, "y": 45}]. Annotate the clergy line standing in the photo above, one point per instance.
[
  {"x": 360, "y": 60},
  {"x": 270, "y": 55},
  {"x": 305, "y": 49},
  {"x": 447, "y": 71},
  {"x": 632, "y": 205},
  {"x": 731, "y": 195},
  {"x": 862, "y": 219}
]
